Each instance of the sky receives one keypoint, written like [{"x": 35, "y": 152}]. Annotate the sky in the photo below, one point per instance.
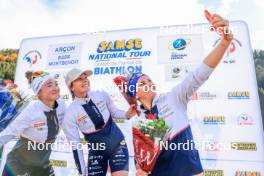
[{"x": 21, "y": 19}]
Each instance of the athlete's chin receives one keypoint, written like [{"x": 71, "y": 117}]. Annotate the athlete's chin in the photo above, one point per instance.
[
  {"x": 54, "y": 97},
  {"x": 84, "y": 89}
]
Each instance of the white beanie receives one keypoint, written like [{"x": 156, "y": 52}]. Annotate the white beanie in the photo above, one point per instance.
[{"x": 39, "y": 81}]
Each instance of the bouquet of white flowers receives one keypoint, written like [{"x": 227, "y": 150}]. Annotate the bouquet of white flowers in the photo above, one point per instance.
[{"x": 147, "y": 134}]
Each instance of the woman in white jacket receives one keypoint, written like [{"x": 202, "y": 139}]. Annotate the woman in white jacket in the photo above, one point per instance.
[
  {"x": 36, "y": 126},
  {"x": 91, "y": 112},
  {"x": 172, "y": 107}
]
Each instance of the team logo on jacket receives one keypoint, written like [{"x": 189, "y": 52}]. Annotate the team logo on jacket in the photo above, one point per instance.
[
  {"x": 94, "y": 162},
  {"x": 39, "y": 125},
  {"x": 60, "y": 116},
  {"x": 82, "y": 119},
  {"x": 101, "y": 105}
]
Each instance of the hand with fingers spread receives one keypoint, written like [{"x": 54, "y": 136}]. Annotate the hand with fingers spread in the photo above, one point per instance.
[{"x": 220, "y": 25}]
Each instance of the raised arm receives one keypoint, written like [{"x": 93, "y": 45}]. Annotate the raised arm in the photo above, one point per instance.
[
  {"x": 217, "y": 54},
  {"x": 195, "y": 79}
]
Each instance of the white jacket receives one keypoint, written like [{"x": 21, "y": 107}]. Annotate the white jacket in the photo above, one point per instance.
[
  {"x": 32, "y": 123},
  {"x": 77, "y": 119},
  {"x": 172, "y": 106}
]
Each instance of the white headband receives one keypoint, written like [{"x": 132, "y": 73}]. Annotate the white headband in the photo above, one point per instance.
[{"x": 39, "y": 81}]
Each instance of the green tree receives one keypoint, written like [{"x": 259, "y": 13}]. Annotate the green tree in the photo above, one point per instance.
[
  {"x": 8, "y": 58},
  {"x": 259, "y": 65}
]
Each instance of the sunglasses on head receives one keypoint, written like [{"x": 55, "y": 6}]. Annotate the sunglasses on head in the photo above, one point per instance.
[{"x": 38, "y": 74}]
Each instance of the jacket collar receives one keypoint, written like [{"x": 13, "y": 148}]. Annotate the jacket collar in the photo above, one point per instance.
[
  {"x": 45, "y": 107},
  {"x": 82, "y": 100}
]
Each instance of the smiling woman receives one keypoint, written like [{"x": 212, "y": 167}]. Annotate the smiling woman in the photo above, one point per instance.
[
  {"x": 91, "y": 113},
  {"x": 39, "y": 122}
]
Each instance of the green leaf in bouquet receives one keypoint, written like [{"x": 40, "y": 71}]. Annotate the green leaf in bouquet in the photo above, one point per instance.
[
  {"x": 152, "y": 124},
  {"x": 153, "y": 128},
  {"x": 159, "y": 125},
  {"x": 161, "y": 122}
]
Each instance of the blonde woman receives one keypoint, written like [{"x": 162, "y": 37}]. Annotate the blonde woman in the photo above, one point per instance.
[{"x": 39, "y": 123}]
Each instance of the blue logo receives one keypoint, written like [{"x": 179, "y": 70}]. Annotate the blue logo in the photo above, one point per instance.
[
  {"x": 32, "y": 57},
  {"x": 179, "y": 44}
]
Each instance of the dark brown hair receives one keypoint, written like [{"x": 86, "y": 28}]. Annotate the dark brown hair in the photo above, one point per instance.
[{"x": 28, "y": 75}]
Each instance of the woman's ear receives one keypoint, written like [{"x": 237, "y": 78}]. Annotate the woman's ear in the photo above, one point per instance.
[
  {"x": 39, "y": 95},
  {"x": 71, "y": 88}
]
